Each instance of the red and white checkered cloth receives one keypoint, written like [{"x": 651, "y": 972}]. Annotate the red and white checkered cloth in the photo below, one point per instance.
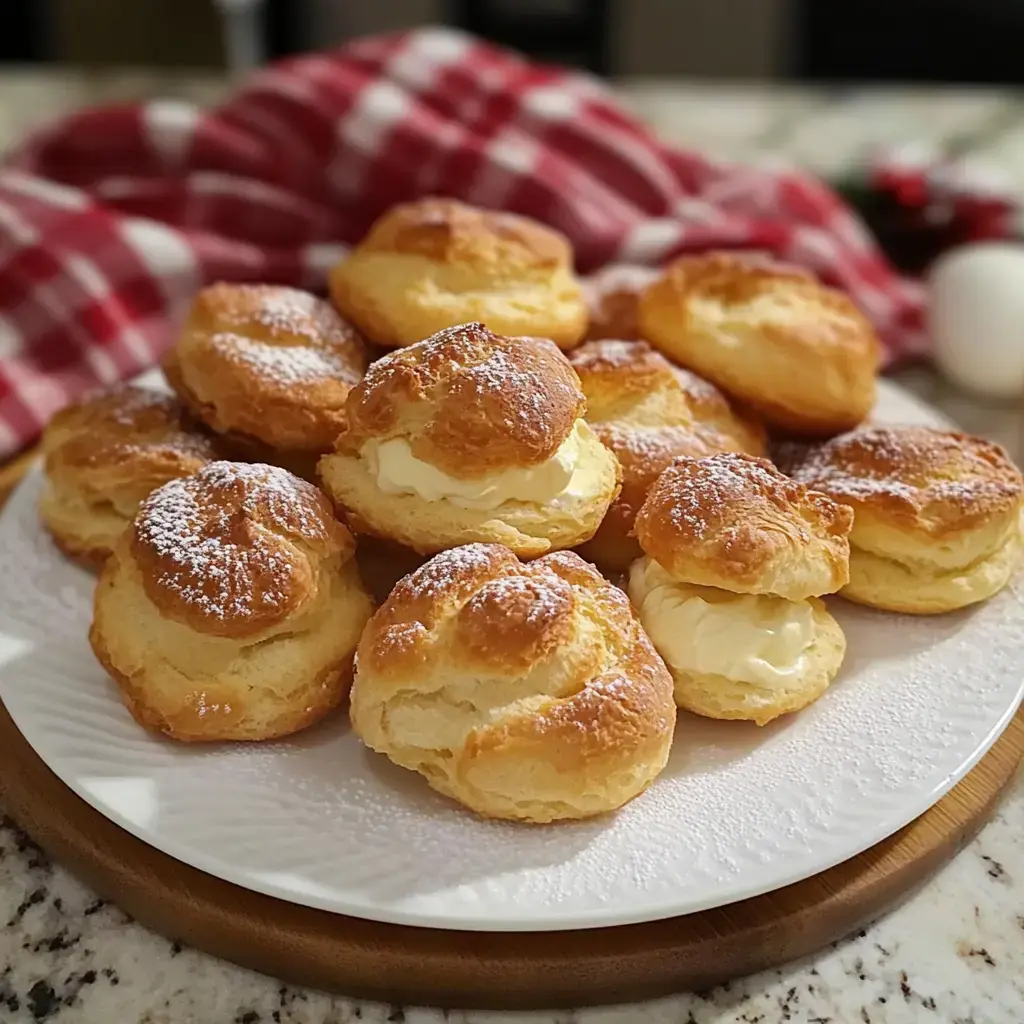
[{"x": 111, "y": 219}]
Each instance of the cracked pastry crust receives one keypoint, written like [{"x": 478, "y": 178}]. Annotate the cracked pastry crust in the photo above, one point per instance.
[
  {"x": 799, "y": 354},
  {"x": 232, "y": 607},
  {"x": 647, "y": 412},
  {"x": 937, "y": 514},
  {"x": 103, "y": 455},
  {"x": 523, "y": 691},
  {"x": 267, "y": 367},
  {"x": 469, "y": 436},
  {"x": 435, "y": 263},
  {"x": 735, "y": 522}
]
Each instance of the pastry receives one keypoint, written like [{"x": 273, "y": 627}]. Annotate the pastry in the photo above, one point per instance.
[
  {"x": 937, "y": 515},
  {"x": 735, "y": 558},
  {"x": 524, "y": 691},
  {"x": 232, "y": 607},
  {"x": 612, "y": 295},
  {"x": 269, "y": 368},
  {"x": 471, "y": 436},
  {"x": 648, "y": 411},
  {"x": 436, "y": 263},
  {"x": 103, "y": 455},
  {"x": 800, "y": 355}
]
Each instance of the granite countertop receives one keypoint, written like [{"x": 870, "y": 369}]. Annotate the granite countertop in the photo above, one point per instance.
[{"x": 953, "y": 954}]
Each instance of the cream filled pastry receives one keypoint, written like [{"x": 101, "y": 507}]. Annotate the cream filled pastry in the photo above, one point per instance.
[
  {"x": 469, "y": 436},
  {"x": 937, "y": 515},
  {"x": 734, "y": 558}
]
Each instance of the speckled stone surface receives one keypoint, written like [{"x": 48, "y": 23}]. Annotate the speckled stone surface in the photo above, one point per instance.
[{"x": 953, "y": 954}]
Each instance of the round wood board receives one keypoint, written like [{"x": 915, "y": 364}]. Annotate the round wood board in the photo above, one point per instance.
[{"x": 480, "y": 969}]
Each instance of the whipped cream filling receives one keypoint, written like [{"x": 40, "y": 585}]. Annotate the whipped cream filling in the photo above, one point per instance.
[
  {"x": 748, "y": 638},
  {"x": 563, "y": 476}
]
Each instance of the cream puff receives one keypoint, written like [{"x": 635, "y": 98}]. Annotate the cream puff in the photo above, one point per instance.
[
  {"x": 103, "y": 455},
  {"x": 523, "y": 691},
  {"x": 648, "y": 411},
  {"x": 467, "y": 437},
  {"x": 269, "y": 368},
  {"x": 937, "y": 514},
  {"x": 436, "y": 263},
  {"x": 735, "y": 558},
  {"x": 612, "y": 295},
  {"x": 798, "y": 354},
  {"x": 232, "y": 607}
]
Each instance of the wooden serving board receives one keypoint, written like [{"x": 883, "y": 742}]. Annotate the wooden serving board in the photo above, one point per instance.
[{"x": 494, "y": 970}]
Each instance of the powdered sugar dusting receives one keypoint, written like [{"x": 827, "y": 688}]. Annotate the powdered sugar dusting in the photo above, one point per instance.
[
  {"x": 210, "y": 535},
  {"x": 283, "y": 364},
  {"x": 913, "y": 464}
]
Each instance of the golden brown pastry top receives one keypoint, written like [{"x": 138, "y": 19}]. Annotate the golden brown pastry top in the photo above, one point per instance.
[
  {"x": 273, "y": 362},
  {"x": 481, "y": 610},
  {"x": 916, "y": 478},
  {"x": 785, "y": 304},
  {"x": 735, "y": 522},
  {"x": 236, "y": 547},
  {"x": 631, "y": 382},
  {"x": 612, "y": 296},
  {"x": 447, "y": 231},
  {"x": 127, "y": 437},
  {"x": 468, "y": 401}
]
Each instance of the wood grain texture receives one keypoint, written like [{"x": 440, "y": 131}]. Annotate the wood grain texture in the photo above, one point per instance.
[{"x": 502, "y": 971}]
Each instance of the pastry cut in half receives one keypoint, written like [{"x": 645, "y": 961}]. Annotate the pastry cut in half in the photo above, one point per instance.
[
  {"x": 470, "y": 436},
  {"x": 937, "y": 514},
  {"x": 736, "y": 558}
]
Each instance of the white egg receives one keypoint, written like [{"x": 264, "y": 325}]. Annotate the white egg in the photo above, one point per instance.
[{"x": 976, "y": 317}]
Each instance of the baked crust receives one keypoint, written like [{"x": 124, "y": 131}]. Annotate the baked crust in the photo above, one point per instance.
[
  {"x": 434, "y": 263},
  {"x": 733, "y": 521},
  {"x": 799, "y": 354},
  {"x": 267, "y": 363},
  {"x": 937, "y": 514},
  {"x": 232, "y": 608},
  {"x": 934, "y": 483},
  {"x": 233, "y": 549},
  {"x": 612, "y": 295},
  {"x": 524, "y": 691},
  {"x": 468, "y": 401},
  {"x": 648, "y": 411},
  {"x": 103, "y": 455}
]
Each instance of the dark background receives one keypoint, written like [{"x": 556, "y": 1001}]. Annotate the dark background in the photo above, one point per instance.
[{"x": 956, "y": 41}]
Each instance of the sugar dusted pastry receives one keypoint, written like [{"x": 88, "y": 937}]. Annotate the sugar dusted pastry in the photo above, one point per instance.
[
  {"x": 471, "y": 436},
  {"x": 268, "y": 367},
  {"x": 103, "y": 455},
  {"x": 612, "y": 295},
  {"x": 735, "y": 558},
  {"x": 937, "y": 515},
  {"x": 435, "y": 263},
  {"x": 526, "y": 692},
  {"x": 232, "y": 607},
  {"x": 798, "y": 354},
  {"x": 648, "y": 411}
]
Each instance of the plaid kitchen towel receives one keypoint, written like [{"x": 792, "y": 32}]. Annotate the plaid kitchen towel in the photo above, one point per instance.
[{"x": 111, "y": 219}]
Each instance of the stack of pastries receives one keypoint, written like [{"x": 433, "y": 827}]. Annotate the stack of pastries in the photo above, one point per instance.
[{"x": 576, "y": 473}]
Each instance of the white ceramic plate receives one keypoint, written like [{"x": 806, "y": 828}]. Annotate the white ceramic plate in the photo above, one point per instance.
[{"x": 319, "y": 820}]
